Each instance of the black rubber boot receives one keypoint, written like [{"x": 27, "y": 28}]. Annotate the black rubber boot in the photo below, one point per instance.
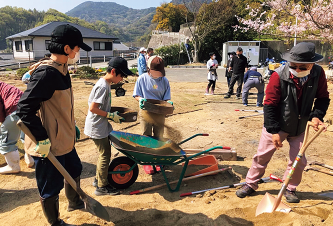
[
  {"x": 74, "y": 200},
  {"x": 50, "y": 208}
]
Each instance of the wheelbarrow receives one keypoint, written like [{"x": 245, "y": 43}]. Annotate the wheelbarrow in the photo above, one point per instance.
[
  {"x": 145, "y": 150},
  {"x": 120, "y": 91}
]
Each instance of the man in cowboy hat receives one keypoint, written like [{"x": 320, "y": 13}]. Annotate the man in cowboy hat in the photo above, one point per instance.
[{"x": 296, "y": 93}]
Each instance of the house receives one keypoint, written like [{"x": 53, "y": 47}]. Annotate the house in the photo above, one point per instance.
[
  {"x": 117, "y": 45},
  {"x": 33, "y": 43}
]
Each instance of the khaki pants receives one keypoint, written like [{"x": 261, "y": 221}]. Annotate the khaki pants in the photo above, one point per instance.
[
  {"x": 104, "y": 148},
  {"x": 152, "y": 124}
]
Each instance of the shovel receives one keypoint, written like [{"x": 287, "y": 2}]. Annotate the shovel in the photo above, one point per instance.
[
  {"x": 269, "y": 203},
  {"x": 91, "y": 205}
]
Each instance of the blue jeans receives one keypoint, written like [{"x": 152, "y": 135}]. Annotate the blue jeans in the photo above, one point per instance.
[
  {"x": 9, "y": 134},
  {"x": 49, "y": 179}
]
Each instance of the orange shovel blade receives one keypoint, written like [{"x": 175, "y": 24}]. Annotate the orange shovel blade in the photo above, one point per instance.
[{"x": 267, "y": 203}]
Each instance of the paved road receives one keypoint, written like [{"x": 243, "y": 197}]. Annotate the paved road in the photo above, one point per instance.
[
  {"x": 191, "y": 74},
  {"x": 180, "y": 74}
]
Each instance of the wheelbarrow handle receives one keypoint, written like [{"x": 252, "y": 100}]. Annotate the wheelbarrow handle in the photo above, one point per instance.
[{"x": 198, "y": 134}]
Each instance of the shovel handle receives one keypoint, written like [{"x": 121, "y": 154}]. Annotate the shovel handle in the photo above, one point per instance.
[
  {"x": 53, "y": 160},
  {"x": 298, "y": 158}
]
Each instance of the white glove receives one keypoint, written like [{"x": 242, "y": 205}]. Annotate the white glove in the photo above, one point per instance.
[
  {"x": 115, "y": 117},
  {"x": 43, "y": 147}
]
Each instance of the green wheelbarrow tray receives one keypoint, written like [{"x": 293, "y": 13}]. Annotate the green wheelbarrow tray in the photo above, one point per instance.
[{"x": 145, "y": 150}]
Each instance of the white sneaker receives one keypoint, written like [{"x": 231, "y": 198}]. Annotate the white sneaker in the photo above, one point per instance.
[
  {"x": 13, "y": 163},
  {"x": 29, "y": 160}
]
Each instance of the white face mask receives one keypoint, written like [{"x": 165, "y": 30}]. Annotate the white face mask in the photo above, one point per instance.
[
  {"x": 214, "y": 57},
  {"x": 300, "y": 74},
  {"x": 75, "y": 59}
]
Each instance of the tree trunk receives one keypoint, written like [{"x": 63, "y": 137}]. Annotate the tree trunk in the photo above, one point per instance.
[{"x": 196, "y": 49}]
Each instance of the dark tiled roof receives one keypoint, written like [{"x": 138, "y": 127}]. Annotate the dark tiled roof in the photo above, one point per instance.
[{"x": 45, "y": 30}]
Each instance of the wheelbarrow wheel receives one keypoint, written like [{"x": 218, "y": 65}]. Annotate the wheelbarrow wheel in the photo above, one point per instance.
[
  {"x": 120, "y": 92},
  {"x": 122, "y": 181}
]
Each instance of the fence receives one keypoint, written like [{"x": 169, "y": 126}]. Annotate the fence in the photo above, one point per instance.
[
  {"x": 127, "y": 54},
  {"x": 130, "y": 54}
]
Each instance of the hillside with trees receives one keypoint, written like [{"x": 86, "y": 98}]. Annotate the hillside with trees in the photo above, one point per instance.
[{"x": 129, "y": 23}]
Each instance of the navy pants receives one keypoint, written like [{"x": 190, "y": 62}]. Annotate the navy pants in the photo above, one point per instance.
[{"x": 49, "y": 179}]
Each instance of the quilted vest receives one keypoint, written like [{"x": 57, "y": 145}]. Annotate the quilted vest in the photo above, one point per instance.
[{"x": 293, "y": 120}]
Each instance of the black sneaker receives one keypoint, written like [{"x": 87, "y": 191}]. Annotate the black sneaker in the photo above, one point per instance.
[
  {"x": 226, "y": 96},
  {"x": 244, "y": 191},
  {"x": 291, "y": 196},
  {"x": 107, "y": 190},
  {"x": 95, "y": 183}
]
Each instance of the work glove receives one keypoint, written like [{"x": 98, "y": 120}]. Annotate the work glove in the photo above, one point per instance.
[
  {"x": 115, "y": 117},
  {"x": 77, "y": 133},
  {"x": 142, "y": 102},
  {"x": 170, "y": 102},
  {"x": 43, "y": 147}
]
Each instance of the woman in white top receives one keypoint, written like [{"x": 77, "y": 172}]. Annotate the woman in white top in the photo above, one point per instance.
[{"x": 212, "y": 65}]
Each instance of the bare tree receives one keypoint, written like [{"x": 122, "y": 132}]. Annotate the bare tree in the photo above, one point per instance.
[{"x": 203, "y": 18}]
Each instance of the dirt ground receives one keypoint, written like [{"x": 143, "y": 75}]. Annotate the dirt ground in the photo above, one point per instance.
[{"x": 194, "y": 113}]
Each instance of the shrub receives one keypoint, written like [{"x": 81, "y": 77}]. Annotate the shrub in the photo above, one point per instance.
[
  {"x": 20, "y": 72},
  {"x": 134, "y": 70},
  {"x": 173, "y": 54},
  {"x": 86, "y": 72}
]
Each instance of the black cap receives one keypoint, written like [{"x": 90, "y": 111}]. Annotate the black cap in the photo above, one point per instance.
[
  {"x": 239, "y": 49},
  {"x": 68, "y": 35},
  {"x": 120, "y": 64},
  {"x": 303, "y": 52}
]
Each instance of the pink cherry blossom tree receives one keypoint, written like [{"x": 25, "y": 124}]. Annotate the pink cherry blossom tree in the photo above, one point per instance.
[{"x": 278, "y": 18}]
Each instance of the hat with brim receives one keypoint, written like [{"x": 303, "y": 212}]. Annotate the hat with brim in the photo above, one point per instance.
[
  {"x": 142, "y": 49},
  {"x": 69, "y": 35},
  {"x": 303, "y": 52},
  {"x": 156, "y": 66},
  {"x": 120, "y": 64}
]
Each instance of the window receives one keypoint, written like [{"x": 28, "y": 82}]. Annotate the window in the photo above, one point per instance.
[
  {"x": 102, "y": 45},
  {"x": 28, "y": 45},
  {"x": 233, "y": 43},
  {"x": 18, "y": 46},
  {"x": 47, "y": 43}
]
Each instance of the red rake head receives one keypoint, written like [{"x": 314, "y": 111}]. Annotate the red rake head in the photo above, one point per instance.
[{"x": 273, "y": 177}]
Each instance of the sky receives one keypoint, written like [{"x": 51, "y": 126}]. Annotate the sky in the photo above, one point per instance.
[{"x": 66, "y": 5}]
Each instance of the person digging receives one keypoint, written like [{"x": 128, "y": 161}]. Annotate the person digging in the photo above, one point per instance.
[
  {"x": 47, "y": 109},
  {"x": 296, "y": 93}
]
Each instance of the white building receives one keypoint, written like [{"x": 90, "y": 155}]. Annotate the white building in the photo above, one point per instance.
[
  {"x": 252, "y": 50},
  {"x": 33, "y": 43},
  {"x": 117, "y": 45}
]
